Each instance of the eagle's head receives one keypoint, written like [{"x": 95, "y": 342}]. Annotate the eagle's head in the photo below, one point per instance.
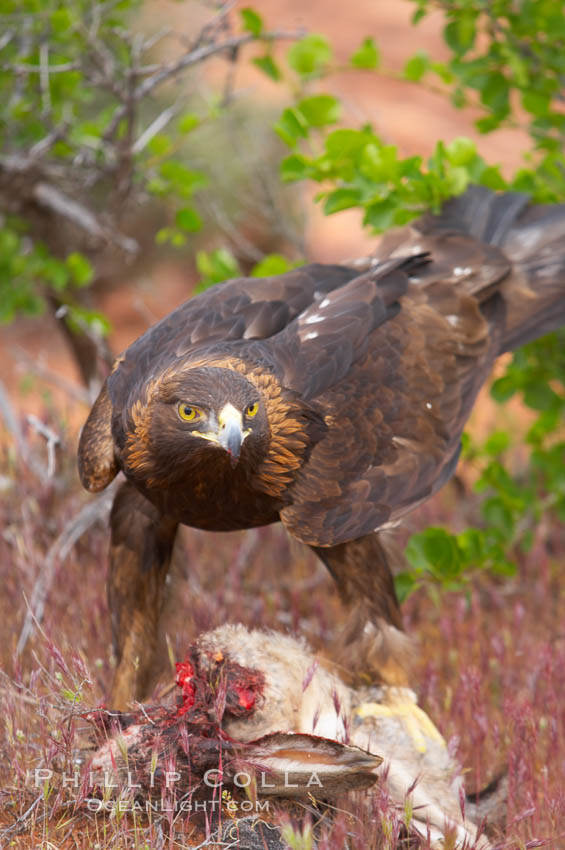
[
  {"x": 205, "y": 415},
  {"x": 199, "y": 435}
]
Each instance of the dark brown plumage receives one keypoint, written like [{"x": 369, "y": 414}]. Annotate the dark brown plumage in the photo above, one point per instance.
[{"x": 363, "y": 378}]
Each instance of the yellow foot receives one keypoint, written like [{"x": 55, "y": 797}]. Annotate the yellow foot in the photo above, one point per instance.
[{"x": 401, "y": 703}]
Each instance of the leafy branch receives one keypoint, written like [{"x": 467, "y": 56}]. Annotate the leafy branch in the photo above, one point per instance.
[{"x": 84, "y": 149}]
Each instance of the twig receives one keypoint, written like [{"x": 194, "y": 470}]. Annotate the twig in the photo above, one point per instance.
[
  {"x": 20, "y": 691},
  {"x": 75, "y": 391},
  {"x": 19, "y": 823},
  {"x": 53, "y": 441},
  {"x": 12, "y": 424},
  {"x": 46, "y": 143},
  {"x": 6, "y": 38},
  {"x": 44, "y": 79},
  {"x": 38, "y": 69},
  {"x": 191, "y": 57},
  {"x": 155, "y": 127},
  {"x": 245, "y": 248},
  {"x": 59, "y": 550},
  {"x": 51, "y": 197}
]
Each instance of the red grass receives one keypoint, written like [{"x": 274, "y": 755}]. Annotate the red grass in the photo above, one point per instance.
[{"x": 491, "y": 671}]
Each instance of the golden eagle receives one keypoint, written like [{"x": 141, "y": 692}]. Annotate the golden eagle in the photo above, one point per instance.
[{"x": 331, "y": 398}]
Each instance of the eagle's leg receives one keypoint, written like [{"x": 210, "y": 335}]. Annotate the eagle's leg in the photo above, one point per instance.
[
  {"x": 140, "y": 556},
  {"x": 372, "y": 648},
  {"x": 372, "y": 644}
]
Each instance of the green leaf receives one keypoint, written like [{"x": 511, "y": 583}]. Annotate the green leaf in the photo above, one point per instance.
[
  {"x": 188, "y": 219},
  {"x": 56, "y": 273},
  {"x": 415, "y": 554},
  {"x": 80, "y": 268},
  {"x": 160, "y": 145},
  {"x": 536, "y": 102},
  {"x": 457, "y": 180},
  {"x": 417, "y": 66},
  {"x": 435, "y": 551},
  {"x": 163, "y": 235},
  {"x": 440, "y": 548},
  {"x": 405, "y": 584},
  {"x": 216, "y": 266},
  {"x": 320, "y": 109},
  {"x": 502, "y": 567},
  {"x": 61, "y": 21},
  {"x": 291, "y": 126},
  {"x": 443, "y": 72},
  {"x": 498, "y": 515},
  {"x": 539, "y": 396},
  {"x": 251, "y": 21},
  {"x": 71, "y": 696},
  {"x": 497, "y": 443},
  {"x": 367, "y": 56},
  {"x": 492, "y": 178},
  {"x": 188, "y": 122},
  {"x": 488, "y": 124},
  {"x": 183, "y": 180},
  {"x": 342, "y": 199},
  {"x": 311, "y": 55},
  {"x": 460, "y": 33},
  {"x": 471, "y": 544},
  {"x": 268, "y": 66},
  {"x": 379, "y": 162},
  {"x": 496, "y": 92},
  {"x": 79, "y": 317},
  {"x": 294, "y": 167},
  {"x": 380, "y": 214},
  {"x": 546, "y": 423},
  {"x": 345, "y": 143},
  {"x": 272, "y": 264},
  {"x": 503, "y": 388},
  {"x": 461, "y": 151}
]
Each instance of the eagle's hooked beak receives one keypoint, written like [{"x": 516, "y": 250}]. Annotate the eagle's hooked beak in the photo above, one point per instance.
[{"x": 230, "y": 432}]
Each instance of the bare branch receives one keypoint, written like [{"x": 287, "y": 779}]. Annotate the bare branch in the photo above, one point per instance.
[
  {"x": 6, "y": 38},
  {"x": 53, "y": 441},
  {"x": 191, "y": 57},
  {"x": 41, "y": 147},
  {"x": 155, "y": 127},
  {"x": 38, "y": 69},
  {"x": 51, "y": 197},
  {"x": 12, "y": 424},
  {"x": 44, "y": 78},
  {"x": 155, "y": 38},
  {"x": 74, "y": 391}
]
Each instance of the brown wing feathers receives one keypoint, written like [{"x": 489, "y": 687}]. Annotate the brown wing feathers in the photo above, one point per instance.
[
  {"x": 394, "y": 386},
  {"x": 96, "y": 460}
]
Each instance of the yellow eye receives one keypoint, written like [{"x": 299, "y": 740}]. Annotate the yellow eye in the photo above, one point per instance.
[
  {"x": 188, "y": 413},
  {"x": 252, "y": 410}
]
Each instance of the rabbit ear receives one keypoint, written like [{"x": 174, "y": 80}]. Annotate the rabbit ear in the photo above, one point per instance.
[
  {"x": 96, "y": 460},
  {"x": 295, "y": 765}
]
